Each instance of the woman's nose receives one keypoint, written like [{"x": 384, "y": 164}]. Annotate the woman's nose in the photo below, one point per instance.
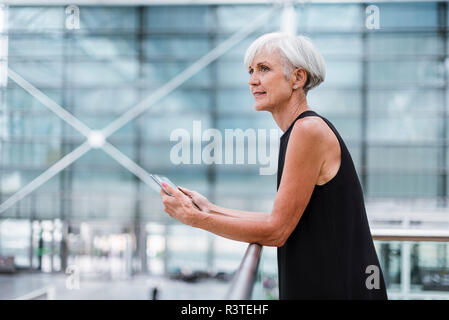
[{"x": 253, "y": 80}]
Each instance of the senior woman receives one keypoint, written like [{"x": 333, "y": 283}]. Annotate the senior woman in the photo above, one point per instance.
[{"x": 318, "y": 220}]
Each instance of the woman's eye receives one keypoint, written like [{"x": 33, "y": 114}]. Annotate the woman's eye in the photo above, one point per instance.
[
  {"x": 264, "y": 68},
  {"x": 250, "y": 71}
]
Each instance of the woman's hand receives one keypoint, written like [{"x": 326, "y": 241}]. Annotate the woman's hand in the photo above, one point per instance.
[
  {"x": 180, "y": 206},
  {"x": 200, "y": 200}
]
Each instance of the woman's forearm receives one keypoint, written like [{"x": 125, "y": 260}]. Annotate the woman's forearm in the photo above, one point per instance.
[
  {"x": 249, "y": 215},
  {"x": 247, "y": 230}
]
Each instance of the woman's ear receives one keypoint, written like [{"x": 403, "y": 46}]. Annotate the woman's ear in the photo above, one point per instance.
[{"x": 300, "y": 78}]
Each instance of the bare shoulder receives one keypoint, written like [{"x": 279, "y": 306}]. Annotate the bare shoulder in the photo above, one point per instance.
[
  {"x": 311, "y": 127},
  {"x": 316, "y": 133},
  {"x": 308, "y": 139}
]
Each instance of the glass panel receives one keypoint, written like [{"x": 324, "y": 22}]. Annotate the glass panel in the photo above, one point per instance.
[
  {"x": 110, "y": 46},
  {"x": 333, "y": 16},
  {"x": 386, "y": 73},
  {"x": 348, "y": 127},
  {"x": 180, "y": 18},
  {"x": 236, "y": 189},
  {"x": 404, "y": 128},
  {"x": 163, "y": 127},
  {"x": 237, "y": 52},
  {"x": 168, "y": 46},
  {"x": 108, "y": 18},
  {"x": 429, "y": 266},
  {"x": 180, "y": 101},
  {"x": 39, "y": 73},
  {"x": 389, "y": 254},
  {"x": 36, "y": 126},
  {"x": 35, "y": 19},
  {"x": 104, "y": 101},
  {"x": 395, "y": 15},
  {"x": 396, "y": 184},
  {"x": 236, "y": 101},
  {"x": 101, "y": 73},
  {"x": 231, "y": 74},
  {"x": 31, "y": 154},
  {"x": 29, "y": 46},
  {"x": 399, "y": 102},
  {"x": 158, "y": 73},
  {"x": 15, "y": 241},
  {"x": 403, "y": 157},
  {"x": 342, "y": 73},
  {"x": 404, "y": 44},
  {"x": 330, "y": 102},
  {"x": 232, "y": 18},
  {"x": 335, "y": 44},
  {"x": 18, "y": 98}
]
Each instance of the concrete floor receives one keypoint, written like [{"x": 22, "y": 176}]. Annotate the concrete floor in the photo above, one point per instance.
[{"x": 135, "y": 288}]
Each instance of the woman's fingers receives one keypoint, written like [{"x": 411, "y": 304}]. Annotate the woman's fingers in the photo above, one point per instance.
[
  {"x": 168, "y": 187},
  {"x": 175, "y": 192},
  {"x": 190, "y": 193},
  {"x": 186, "y": 191}
]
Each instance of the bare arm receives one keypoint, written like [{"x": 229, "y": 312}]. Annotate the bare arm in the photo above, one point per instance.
[
  {"x": 214, "y": 209},
  {"x": 304, "y": 158},
  {"x": 205, "y": 205}
]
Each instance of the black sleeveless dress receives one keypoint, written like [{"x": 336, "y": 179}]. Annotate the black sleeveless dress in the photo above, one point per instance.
[{"x": 327, "y": 254}]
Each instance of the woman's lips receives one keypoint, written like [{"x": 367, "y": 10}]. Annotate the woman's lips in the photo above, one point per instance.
[{"x": 258, "y": 94}]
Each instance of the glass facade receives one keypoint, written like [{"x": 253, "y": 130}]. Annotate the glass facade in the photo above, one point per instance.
[{"x": 386, "y": 91}]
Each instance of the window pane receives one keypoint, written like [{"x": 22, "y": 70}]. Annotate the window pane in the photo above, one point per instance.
[
  {"x": 35, "y": 19},
  {"x": 233, "y": 18},
  {"x": 404, "y": 44},
  {"x": 108, "y": 18},
  {"x": 186, "y": 47},
  {"x": 107, "y": 46},
  {"x": 91, "y": 73},
  {"x": 180, "y": 18},
  {"x": 30, "y": 46},
  {"x": 394, "y": 15},
  {"x": 404, "y": 128},
  {"x": 385, "y": 73},
  {"x": 401, "y": 102},
  {"x": 336, "y": 17}
]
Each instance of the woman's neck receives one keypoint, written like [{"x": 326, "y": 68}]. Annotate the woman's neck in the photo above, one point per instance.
[{"x": 284, "y": 116}]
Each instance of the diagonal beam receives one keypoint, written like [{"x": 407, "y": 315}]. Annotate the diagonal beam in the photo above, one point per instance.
[
  {"x": 74, "y": 155},
  {"x": 47, "y": 175},
  {"x": 130, "y": 165},
  {"x": 188, "y": 73},
  {"x": 125, "y": 118},
  {"x": 62, "y": 163},
  {"x": 50, "y": 104}
]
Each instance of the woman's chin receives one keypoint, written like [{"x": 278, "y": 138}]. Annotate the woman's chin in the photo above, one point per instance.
[{"x": 259, "y": 107}]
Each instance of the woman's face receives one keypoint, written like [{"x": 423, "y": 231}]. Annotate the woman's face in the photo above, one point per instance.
[{"x": 267, "y": 82}]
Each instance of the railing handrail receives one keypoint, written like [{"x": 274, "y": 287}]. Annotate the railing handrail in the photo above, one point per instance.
[
  {"x": 243, "y": 282},
  {"x": 245, "y": 277},
  {"x": 410, "y": 234},
  {"x": 45, "y": 293}
]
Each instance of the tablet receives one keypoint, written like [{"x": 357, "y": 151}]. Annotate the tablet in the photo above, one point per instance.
[{"x": 159, "y": 179}]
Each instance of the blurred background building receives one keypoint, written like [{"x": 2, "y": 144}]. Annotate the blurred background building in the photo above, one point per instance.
[{"x": 93, "y": 228}]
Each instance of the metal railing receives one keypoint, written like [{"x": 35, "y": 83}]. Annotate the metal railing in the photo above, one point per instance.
[
  {"x": 245, "y": 277},
  {"x": 416, "y": 234},
  {"x": 243, "y": 282},
  {"x": 46, "y": 293}
]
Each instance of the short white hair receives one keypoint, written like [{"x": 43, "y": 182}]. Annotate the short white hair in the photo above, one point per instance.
[{"x": 295, "y": 51}]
